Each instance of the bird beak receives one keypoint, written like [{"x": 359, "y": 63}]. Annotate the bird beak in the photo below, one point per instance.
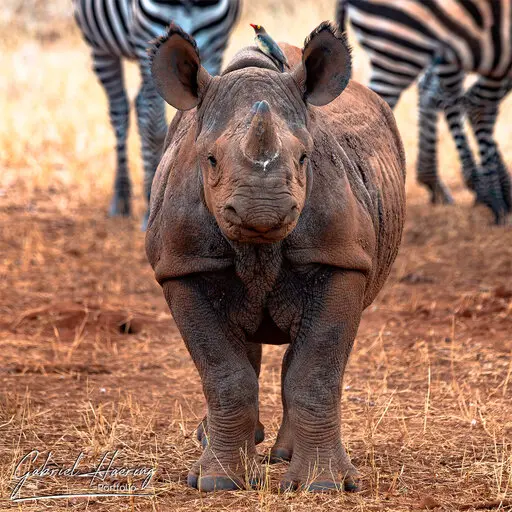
[{"x": 253, "y": 26}]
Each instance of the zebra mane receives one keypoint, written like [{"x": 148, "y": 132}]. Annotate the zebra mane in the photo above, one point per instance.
[
  {"x": 173, "y": 29},
  {"x": 331, "y": 27}
]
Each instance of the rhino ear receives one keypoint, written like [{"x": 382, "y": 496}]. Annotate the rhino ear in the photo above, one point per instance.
[
  {"x": 176, "y": 69},
  {"x": 326, "y": 65}
]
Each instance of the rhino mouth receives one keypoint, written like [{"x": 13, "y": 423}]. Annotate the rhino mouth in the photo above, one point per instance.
[
  {"x": 243, "y": 234},
  {"x": 258, "y": 225}
]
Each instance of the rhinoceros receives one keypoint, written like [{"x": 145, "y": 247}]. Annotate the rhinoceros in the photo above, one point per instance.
[{"x": 276, "y": 213}]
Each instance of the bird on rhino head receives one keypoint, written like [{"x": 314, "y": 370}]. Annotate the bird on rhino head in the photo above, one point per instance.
[
  {"x": 277, "y": 211},
  {"x": 269, "y": 47}
]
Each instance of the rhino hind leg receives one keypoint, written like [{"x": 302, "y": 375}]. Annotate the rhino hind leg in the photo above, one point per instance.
[{"x": 283, "y": 447}]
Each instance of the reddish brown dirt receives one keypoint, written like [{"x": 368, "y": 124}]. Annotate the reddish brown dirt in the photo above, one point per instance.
[{"x": 92, "y": 361}]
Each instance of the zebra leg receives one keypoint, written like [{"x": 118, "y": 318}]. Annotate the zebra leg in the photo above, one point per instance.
[
  {"x": 152, "y": 129},
  {"x": 451, "y": 83},
  {"x": 493, "y": 186},
  {"x": 109, "y": 71},
  {"x": 212, "y": 53},
  {"x": 214, "y": 64},
  {"x": 211, "y": 28},
  {"x": 430, "y": 102},
  {"x": 389, "y": 79}
]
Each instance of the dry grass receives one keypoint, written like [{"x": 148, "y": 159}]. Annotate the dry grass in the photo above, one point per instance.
[{"x": 92, "y": 361}]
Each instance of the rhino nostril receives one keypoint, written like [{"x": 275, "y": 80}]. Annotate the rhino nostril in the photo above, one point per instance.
[
  {"x": 292, "y": 215},
  {"x": 231, "y": 215}
]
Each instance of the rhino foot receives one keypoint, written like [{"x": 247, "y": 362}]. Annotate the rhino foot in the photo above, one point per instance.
[
  {"x": 213, "y": 483},
  {"x": 321, "y": 475},
  {"x": 209, "y": 474},
  {"x": 282, "y": 450},
  {"x": 278, "y": 455},
  {"x": 347, "y": 485}
]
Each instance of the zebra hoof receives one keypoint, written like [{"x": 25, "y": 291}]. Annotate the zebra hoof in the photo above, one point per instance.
[
  {"x": 497, "y": 205},
  {"x": 120, "y": 207},
  {"x": 500, "y": 215},
  {"x": 439, "y": 194}
]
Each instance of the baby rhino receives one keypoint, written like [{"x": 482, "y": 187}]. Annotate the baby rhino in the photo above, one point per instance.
[{"x": 276, "y": 213}]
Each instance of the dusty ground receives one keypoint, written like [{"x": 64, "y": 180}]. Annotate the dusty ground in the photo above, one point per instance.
[{"x": 91, "y": 360}]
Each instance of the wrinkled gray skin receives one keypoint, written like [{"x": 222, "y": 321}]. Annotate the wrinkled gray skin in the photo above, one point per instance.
[{"x": 277, "y": 211}]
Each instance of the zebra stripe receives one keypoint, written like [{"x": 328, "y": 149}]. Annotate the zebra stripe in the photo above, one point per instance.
[
  {"x": 118, "y": 29},
  {"x": 447, "y": 38}
]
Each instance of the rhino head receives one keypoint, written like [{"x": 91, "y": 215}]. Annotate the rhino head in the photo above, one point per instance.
[{"x": 253, "y": 126}]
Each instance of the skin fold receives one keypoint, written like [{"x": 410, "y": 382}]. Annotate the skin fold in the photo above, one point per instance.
[{"x": 277, "y": 211}]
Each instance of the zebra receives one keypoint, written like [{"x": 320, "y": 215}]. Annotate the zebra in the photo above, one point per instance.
[
  {"x": 121, "y": 29},
  {"x": 447, "y": 39}
]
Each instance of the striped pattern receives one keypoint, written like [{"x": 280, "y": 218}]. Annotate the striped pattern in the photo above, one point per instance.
[
  {"x": 447, "y": 38},
  {"x": 117, "y": 29}
]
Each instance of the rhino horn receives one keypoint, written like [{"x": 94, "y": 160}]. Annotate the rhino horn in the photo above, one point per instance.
[{"x": 261, "y": 143}]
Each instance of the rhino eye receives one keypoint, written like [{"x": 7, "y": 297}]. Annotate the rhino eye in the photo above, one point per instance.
[
  {"x": 212, "y": 160},
  {"x": 303, "y": 158}
]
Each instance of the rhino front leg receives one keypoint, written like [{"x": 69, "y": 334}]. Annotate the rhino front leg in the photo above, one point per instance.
[
  {"x": 230, "y": 385},
  {"x": 313, "y": 385},
  {"x": 254, "y": 353}
]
